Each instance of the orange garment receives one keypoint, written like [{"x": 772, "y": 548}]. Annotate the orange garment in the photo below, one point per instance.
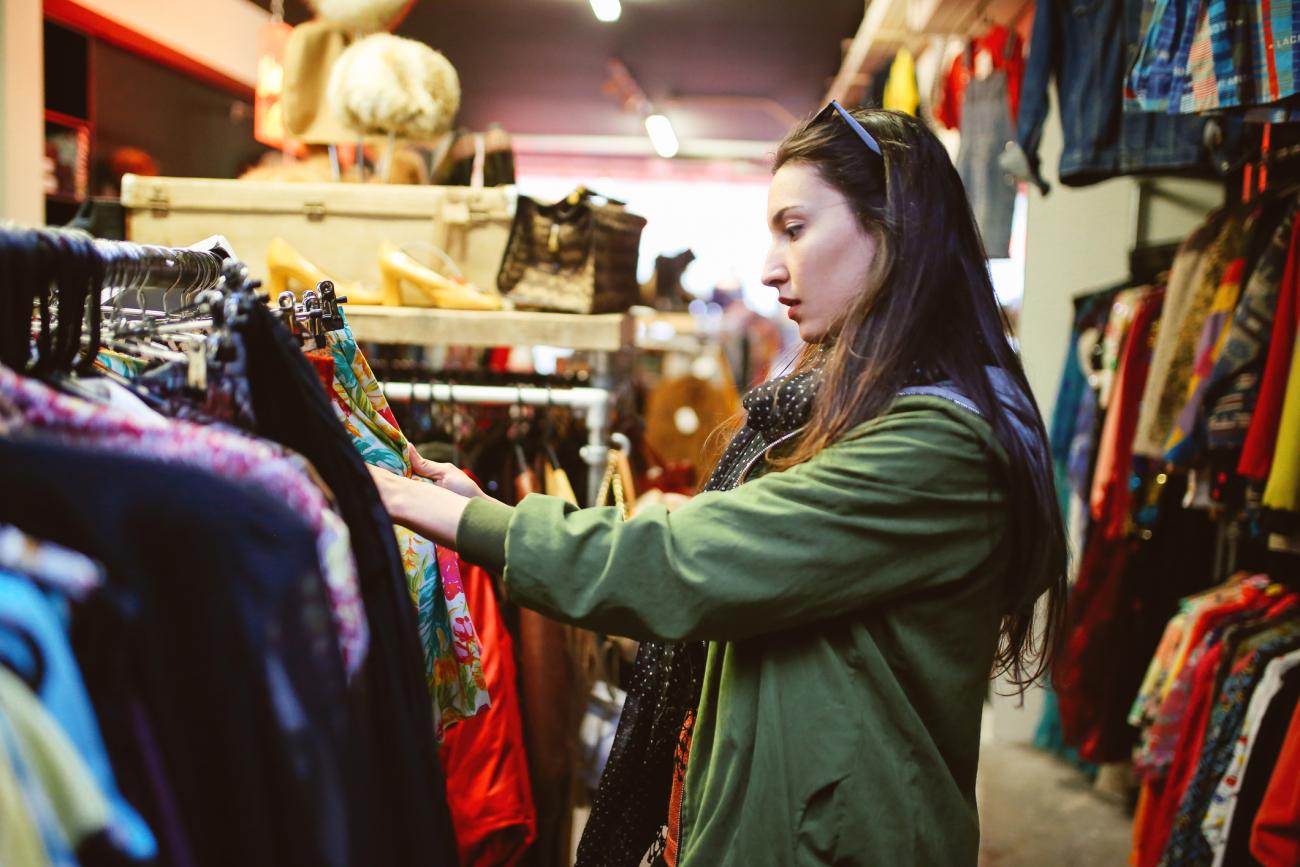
[
  {"x": 1275, "y": 836},
  {"x": 675, "y": 798},
  {"x": 488, "y": 788}
]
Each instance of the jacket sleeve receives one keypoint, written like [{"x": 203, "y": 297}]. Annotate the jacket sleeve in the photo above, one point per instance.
[
  {"x": 910, "y": 506},
  {"x": 1040, "y": 67}
]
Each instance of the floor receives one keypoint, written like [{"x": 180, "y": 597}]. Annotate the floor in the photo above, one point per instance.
[{"x": 1036, "y": 810}]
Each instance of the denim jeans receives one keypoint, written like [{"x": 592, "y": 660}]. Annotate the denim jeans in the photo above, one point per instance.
[
  {"x": 985, "y": 131},
  {"x": 1075, "y": 42}
]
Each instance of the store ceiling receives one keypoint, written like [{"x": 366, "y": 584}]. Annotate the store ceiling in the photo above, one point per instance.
[{"x": 538, "y": 66}]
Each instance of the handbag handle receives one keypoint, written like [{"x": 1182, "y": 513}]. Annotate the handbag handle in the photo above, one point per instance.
[{"x": 616, "y": 482}]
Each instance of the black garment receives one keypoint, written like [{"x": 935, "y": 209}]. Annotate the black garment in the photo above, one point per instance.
[
  {"x": 216, "y": 617},
  {"x": 631, "y": 805},
  {"x": 1259, "y": 767},
  {"x": 391, "y": 706},
  {"x": 1156, "y": 572},
  {"x": 669, "y": 294}
]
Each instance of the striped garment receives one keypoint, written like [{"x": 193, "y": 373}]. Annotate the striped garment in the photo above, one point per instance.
[{"x": 1253, "y": 55}]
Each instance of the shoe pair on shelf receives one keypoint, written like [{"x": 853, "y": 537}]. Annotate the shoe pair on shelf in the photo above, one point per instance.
[{"x": 397, "y": 270}]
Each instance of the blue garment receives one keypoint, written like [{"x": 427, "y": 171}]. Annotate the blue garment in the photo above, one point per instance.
[
  {"x": 1074, "y": 41},
  {"x": 29, "y": 619}
]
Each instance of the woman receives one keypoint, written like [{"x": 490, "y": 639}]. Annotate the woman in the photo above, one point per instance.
[{"x": 869, "y": 549}]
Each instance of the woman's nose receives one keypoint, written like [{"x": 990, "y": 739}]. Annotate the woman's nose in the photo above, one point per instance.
[{"x": 774, "y": 271}]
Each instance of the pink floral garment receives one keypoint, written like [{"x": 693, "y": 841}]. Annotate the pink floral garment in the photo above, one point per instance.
[{"x": 263, "y": 465}]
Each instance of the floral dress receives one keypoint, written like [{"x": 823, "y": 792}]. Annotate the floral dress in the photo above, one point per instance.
[{"x": 452, "y": 656}]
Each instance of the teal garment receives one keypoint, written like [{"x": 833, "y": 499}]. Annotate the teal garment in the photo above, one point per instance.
[
  {"x": 1050, "y": 737},
  {"x": 853, "y": 606}
]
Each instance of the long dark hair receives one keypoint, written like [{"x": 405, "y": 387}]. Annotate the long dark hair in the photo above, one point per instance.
[{"x": 929, "y": 313}]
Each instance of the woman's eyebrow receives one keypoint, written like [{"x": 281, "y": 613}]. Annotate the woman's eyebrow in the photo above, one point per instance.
[{"x": 776, "y": 218}]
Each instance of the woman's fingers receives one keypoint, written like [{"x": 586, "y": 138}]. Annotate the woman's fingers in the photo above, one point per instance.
[{"x": 430, "y": 469}]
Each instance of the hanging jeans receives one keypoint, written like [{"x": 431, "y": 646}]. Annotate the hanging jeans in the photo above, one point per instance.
[{"x": 985, "y": 130}]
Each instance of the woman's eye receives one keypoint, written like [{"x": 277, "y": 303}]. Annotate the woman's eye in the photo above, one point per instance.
[{"x": 793, "y": 229}]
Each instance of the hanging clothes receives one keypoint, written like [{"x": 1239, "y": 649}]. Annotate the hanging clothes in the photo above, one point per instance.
[
  {"x": 257, "y": 463},
  {"x": 1234, "y": 383},
  {"x": 245, "y": 634},
  {"x": 901, "y": 93},
  {"x": 1006, "y": 53},
  {"x": 1182, "y": 446},
  {"x": 1283, "y": 489},
  {"x": 485, "y": 759},
  {"x": 1187, "y": 329},
  {"x": 1261, "y": 438},
  {"x": 1212, "y": 55},
  {"x": 395, "y": 754},
  {"x": 1275, "y": 835},
  {"x": 28, "y": 615},
  {"x": 986, "y": 131},
  {"x": 1218, "y": 818},
  {"x": 1077, "y": 45},
  {"x": 452, "y": 656},
  {"x": 72, "y": 812},
  {"x": 1185, "y": 274}
]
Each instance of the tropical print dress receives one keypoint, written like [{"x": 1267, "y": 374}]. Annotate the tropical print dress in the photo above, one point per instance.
[{"x": 452, "y": 657}]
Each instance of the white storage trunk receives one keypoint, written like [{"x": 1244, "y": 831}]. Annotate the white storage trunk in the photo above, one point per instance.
[{"x": 337, "y": 226}]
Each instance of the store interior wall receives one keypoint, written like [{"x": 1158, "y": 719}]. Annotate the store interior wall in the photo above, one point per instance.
[
  {"x": 207, "y": 133},
  {"x": 22, "y": 131},
  {"x": 218, "y": 34},
  {"x": 1079, "y": 239}
]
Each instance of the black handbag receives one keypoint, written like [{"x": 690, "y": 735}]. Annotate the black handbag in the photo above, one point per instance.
[{"x": 578, "y": 255}]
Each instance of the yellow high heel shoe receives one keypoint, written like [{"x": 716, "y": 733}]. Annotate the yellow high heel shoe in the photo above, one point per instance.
[
  {"x": 285, "y": 264},
  {"x": 435, "y": 290}
]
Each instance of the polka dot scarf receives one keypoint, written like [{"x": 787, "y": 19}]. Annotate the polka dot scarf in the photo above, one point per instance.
[{"x": 629, "y": 812}]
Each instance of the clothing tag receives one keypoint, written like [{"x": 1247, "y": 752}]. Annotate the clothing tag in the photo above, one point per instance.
[
  {"x": 196, "y": 373},
  {"x": 983, "y": 64}
]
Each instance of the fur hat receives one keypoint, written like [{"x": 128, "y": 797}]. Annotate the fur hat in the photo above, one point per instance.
[
  {"x": 386, "y": 84},
  {"x": 361, "y": 16}
]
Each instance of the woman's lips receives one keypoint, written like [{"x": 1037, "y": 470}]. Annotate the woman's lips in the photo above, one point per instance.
[{"x": 793, "y": 304}]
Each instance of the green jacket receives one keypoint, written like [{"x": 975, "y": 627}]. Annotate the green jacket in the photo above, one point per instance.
[{"x": 853, "y": 606}]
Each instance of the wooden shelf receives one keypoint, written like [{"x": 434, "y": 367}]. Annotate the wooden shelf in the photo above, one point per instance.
[{"x": 420, "y": 326}]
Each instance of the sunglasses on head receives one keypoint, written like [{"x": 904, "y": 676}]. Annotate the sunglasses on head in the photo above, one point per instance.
[{"x": 867, "y": 138}]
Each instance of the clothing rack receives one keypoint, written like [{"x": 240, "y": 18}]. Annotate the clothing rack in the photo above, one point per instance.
[
  {"x": 153, "y": 267},
  {"x": 594, "y": 402}
]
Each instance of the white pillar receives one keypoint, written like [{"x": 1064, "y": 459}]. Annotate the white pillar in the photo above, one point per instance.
[{"x": 22, "y": 112}]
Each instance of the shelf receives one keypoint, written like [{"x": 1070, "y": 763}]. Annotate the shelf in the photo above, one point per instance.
[
  {"x": 421, "y": 326},
  {"x": 668, "y": 332}
]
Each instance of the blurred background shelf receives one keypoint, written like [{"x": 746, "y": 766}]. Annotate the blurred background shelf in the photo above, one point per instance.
[{"x": 419, "y": 326}]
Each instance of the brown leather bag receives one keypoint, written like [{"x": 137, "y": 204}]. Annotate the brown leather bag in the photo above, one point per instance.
[{"x": 578, "y": 255}]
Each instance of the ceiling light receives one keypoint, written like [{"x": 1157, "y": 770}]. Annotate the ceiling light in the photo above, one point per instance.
[
  {"x": 607, "y": 10},
  {"x": 660, "y": 130}
]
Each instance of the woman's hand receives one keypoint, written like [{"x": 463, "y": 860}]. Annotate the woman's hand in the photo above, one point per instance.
[
  {"x": 448, "y": 476},
  {"x": 432, "y": 511}
]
